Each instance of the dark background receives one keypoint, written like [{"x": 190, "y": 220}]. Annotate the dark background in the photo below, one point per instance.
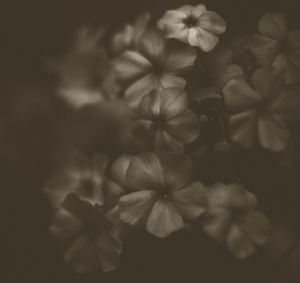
[{"x": 32, "y": 119}]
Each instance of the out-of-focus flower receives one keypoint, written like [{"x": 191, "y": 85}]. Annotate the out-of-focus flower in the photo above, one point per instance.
[
  {"x": 84, "y": 226},
  {"x": 79, "y": 175},
  {"x": 277, "y": 46},
  {"x": 162, "y": 194},
  {"x": 231, "y": 217},
  {"x": 194, "y": 25},
  {"x": 130, "y": 35},
  {"x": 86, "y": 74},
  {"x": 115, "y": 188},
  {"x": 157, "y": 65},
  {"x": 261, "y": 113},
  {"x": 212, "y": 71},
  {"x": 165, "y": 120}
]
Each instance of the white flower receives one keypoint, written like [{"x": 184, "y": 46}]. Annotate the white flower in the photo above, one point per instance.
[{"x": 194, "y": 25}]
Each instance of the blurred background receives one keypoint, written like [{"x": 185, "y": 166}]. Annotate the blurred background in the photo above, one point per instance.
[{"x": 33, "y": 127}]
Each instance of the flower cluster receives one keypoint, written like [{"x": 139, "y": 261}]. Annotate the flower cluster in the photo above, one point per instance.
[{"x": 177, "y": 82}]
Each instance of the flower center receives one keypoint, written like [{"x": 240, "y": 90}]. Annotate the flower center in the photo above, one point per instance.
[{"x": 191, "y": 21}]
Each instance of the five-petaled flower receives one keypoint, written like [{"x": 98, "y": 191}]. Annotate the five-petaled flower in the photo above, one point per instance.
[
  {"x": 93, "y": 244},
  {"x": 80, "y": 175},
  {"x": 261, "y": 113},
  {"x": 231, "y": 217},
  {"x": 166, "y": 122},
  {"x": 277, "y": 46},
  {"x": 194, "y": 25},
  {"x": 156, "y": 65},
  {"x": 162, "y": 194}
]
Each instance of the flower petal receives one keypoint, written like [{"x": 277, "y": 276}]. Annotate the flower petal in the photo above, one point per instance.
[
  {"x": 141, "y": 87},
  {"x": 212, "y": 22},
  {"x": 150, "y": 105},
  {"x": 180, "y": 59},
  {"x": 203, "y": 39},
  {"x": 108, "y": 249},
  {"x": 243, "y": 127},
  {"x": 273, "y": 133},
  {"x": 264, "y": 49},
  {"x": 140, "y": 26},
  {"x": 198, "y": 10},
  {"x": 144, "y": 172},
  {"x": 216, "y": 223},
  {"x": 238, "y": 243},
  {"x": 168, "y": 80},
  {"x": 239, "y": 96},
  {"x": 163, "y": 219},
  {"x": 65, "y": 225},
  {"x": 166, "y": 143},
  {"x": 178, "y": 170},
  {"x": 256, "y": 226},
  {"x": 240, "y": 198},
  {"x": 185, "y": 127},
  {"x": 131, "y": 65},
  {"x": 295, "y": 57},
  {"x": 229, "y": 73},
  {"x": 135, "y": 207},
  {"x": 273, "y": 25},
  {"x": 152, "y": 45},
  {"x": 81, "y": 256},
  {"x": 174, "y": 101},
  {"x": 119, "y": 168},
  {"x": 189, "y": 201}
]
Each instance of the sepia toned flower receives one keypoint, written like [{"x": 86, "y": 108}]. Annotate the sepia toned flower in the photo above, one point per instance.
[
  {"x": 260, "y": 113},
  {"x": 193, "y": 24},
  {"x": 79, "y": 175},
  {"x": 211, "y": 72},
  {"x": 84, "y": 227},
  {"x": 86, "y": 75},
  {"x": 157, "y": 65},
  {"x": 232, "y": 218},
  {"x": 165, "y": 120},
  {"x": 130, "y": 35},
  {"x": 277, "y": 46},
  {"x": 162, "y": 195}
]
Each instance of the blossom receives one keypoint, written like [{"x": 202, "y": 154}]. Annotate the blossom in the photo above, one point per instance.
[
  {"x": 166, "y": 121},
  {"x": 86, "y": 74},
  {"x": 194, "y": 25},
  {"x": 261, "y": 113},
  {"x": 156, "y": 65},
  {"x": 130, "y": 35},
  {"x": 84, "y": 226},
  {"x": 277, "y": 46},
  {"x": 212, "y": 71},
  {"x": 162, "y": 195},
  {"x": 80, "y": 175},
  {"x": 231, "y": 217}
]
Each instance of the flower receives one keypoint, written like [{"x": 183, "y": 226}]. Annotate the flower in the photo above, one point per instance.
[
  {"x": 231, "y": 217},
  {"x": 156, "y": 65},
  {"x": 166, "y": 121},
  {"x": 162, "y": 194},
  {"x": 212, "y": 71},
  {"x": 277, "y": 46},
  {"x": 86, "y": 73},
  {"x": 130, "y": 36},
  {"x": 92, "y": 245},
  {"x": 81, "y": 176},
  {"x": 194, "y": 25},
  {"x": 261, "y": 113}
]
